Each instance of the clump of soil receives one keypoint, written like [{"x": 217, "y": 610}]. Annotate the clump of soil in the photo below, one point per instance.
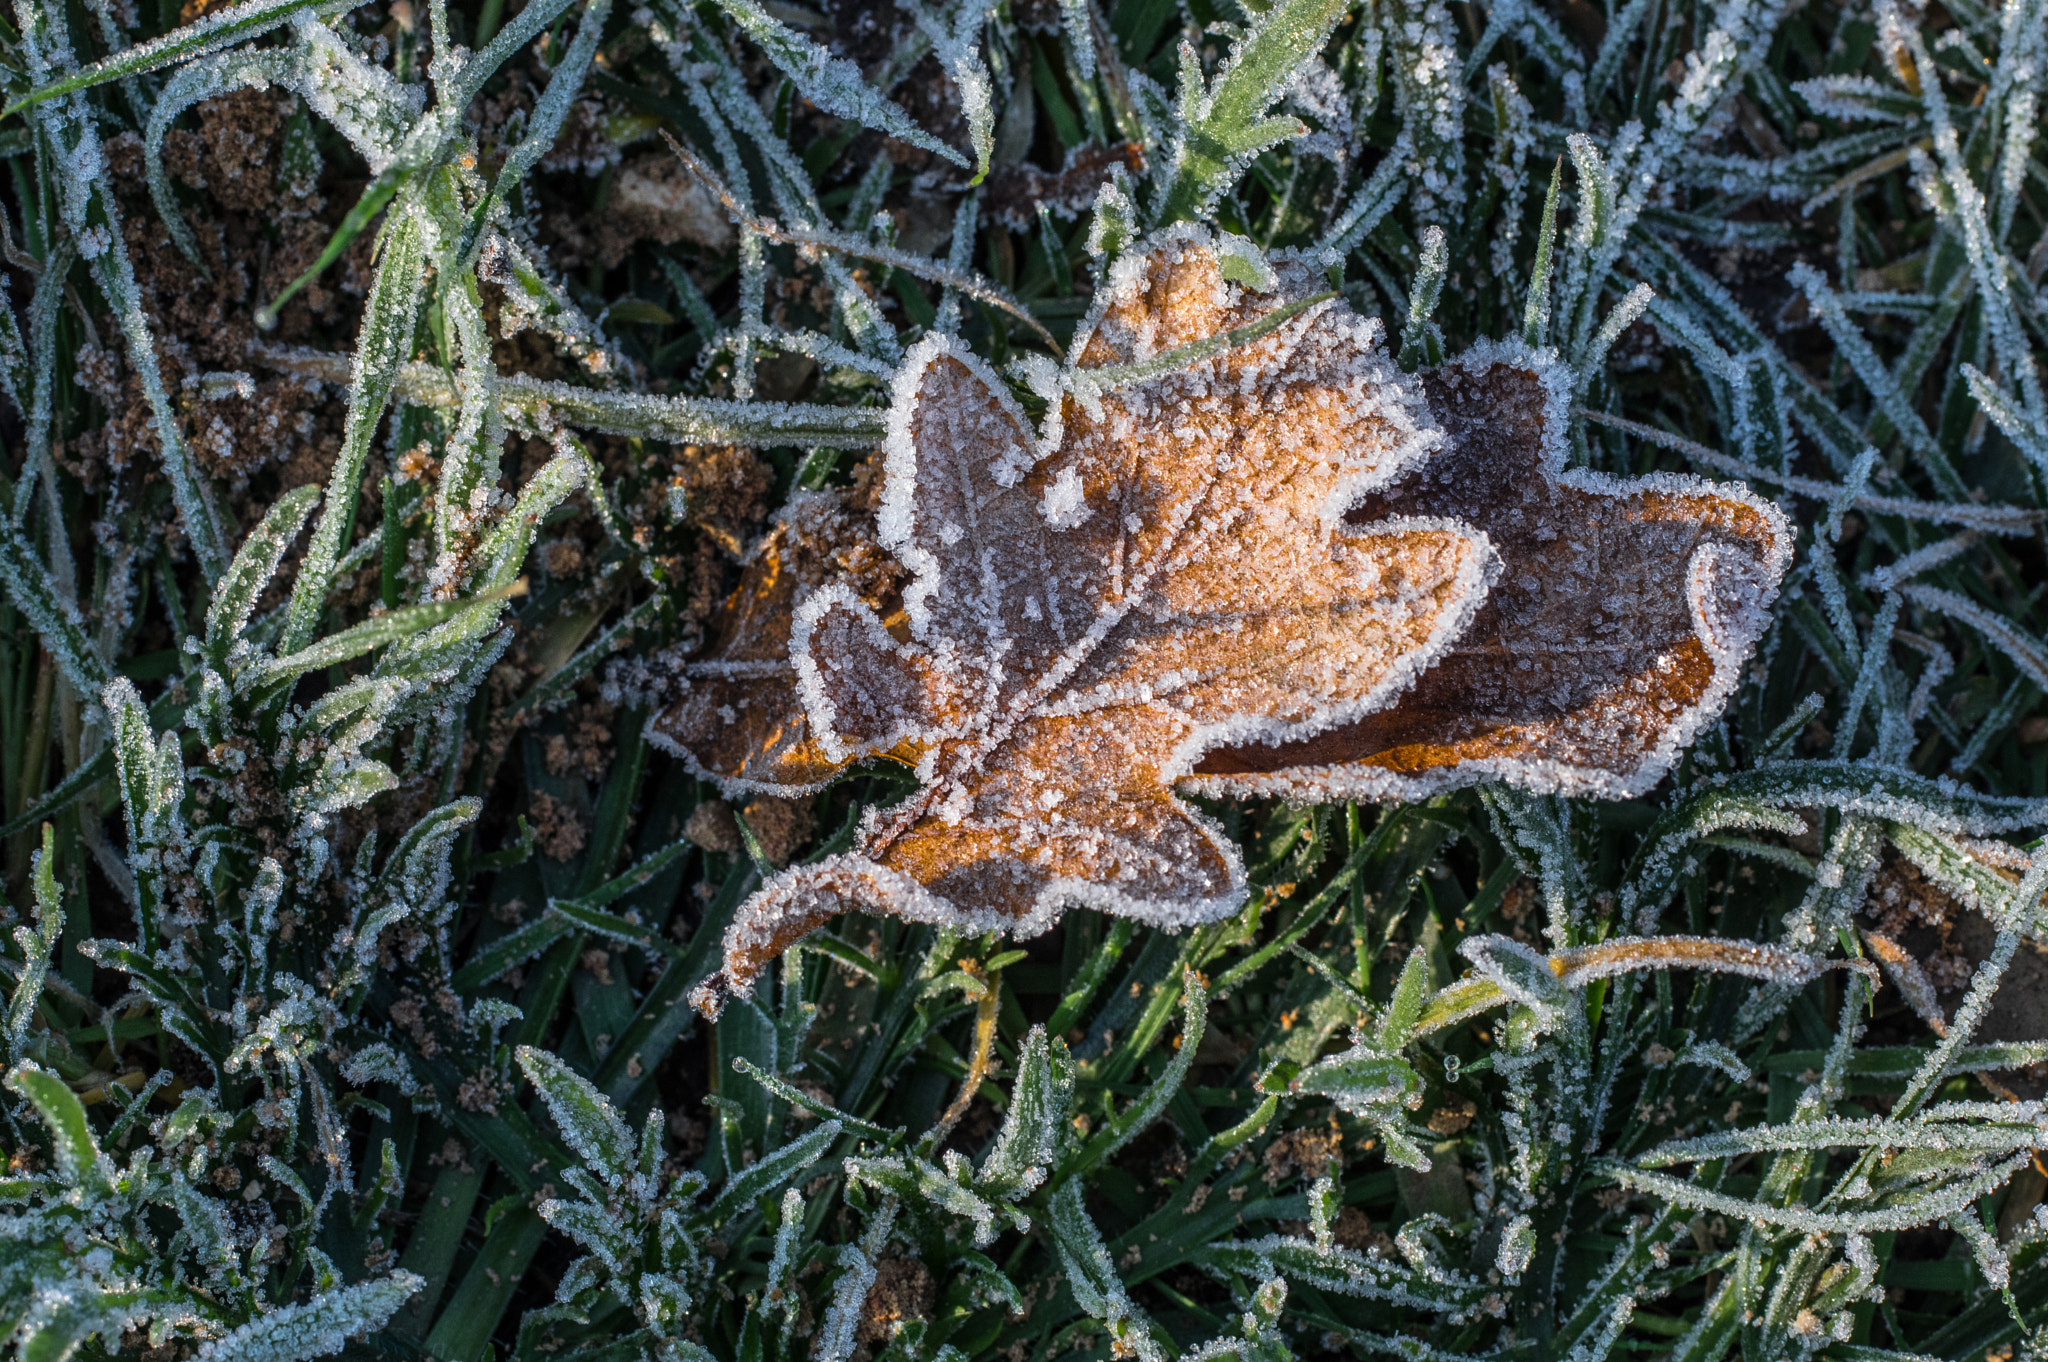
[
  {"x": 557, "y": 828},
  {"x": 781, "y": 827},
  {"x": 903, "y": 1291},
  {"x": 653, "y": 198}
]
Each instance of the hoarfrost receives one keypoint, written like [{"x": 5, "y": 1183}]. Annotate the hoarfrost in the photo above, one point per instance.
[
  {"x": 320, "y": 1326},
  {"x": 1620, "y": 655}
]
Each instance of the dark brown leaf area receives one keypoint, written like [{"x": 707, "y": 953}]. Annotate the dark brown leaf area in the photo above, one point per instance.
[
  {"x": 1084, "y": 618},
  {"x": 1618, "y": 613},
  {"x": 1081, "y": 621}
]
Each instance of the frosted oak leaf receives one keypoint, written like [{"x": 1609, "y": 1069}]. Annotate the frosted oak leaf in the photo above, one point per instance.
[
  {"x": 1617, "y": 623},
  {"x": 1166, "y": 571}
]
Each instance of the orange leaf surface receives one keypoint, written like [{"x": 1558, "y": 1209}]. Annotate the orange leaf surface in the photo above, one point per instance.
[{"x": 1230, "y": 573}]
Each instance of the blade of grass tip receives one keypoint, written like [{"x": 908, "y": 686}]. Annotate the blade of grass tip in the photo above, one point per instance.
[
  {"x": 797, "y": 1097},
  {"x": 544, "y": 124},
  {"x": 1536, "y": 312},
  {"x": 852, "y": 956},
  {"x": 1358, "y": 1000},
  {"x": 1220, "y": 1144},
  {"x": 384, "y": 343},
  {"x": 520, "y": 944},
  {"x": 359, "y": 217},
  {"x": 763, "y": 866},
  {"x": 1232, "y": 125},
  {"x": 891, "y": 1017},
  {"x": 690, "y": 298},
  {"x": 1132, "y": 1121},
  {"x": 613, "y": 927},
  {"x": 1160, "y": 1006},
  {"x": 393, "y": 626},
  {"x": 28, "y": 585},
  {"x": 1422, "y": 299},
  {"x": 481, "y": 66},
  {"x": 1089, "y": 980},
  {"x": 641, "y": 872},
  {"x": 832, "y": 83}
]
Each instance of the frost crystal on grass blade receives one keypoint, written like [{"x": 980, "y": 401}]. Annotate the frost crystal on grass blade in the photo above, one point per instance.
[
  {"x": 319, "y": 1327},
  {"x": 832, "y": 83}
]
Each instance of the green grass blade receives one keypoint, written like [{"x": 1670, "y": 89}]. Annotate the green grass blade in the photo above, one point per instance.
[
  {"x": 1536, "y": 312},
  {"x": 1231, "y": 126},
  {"x": 55, "y": 620},
  {"x": 395, "y": 626},
  {"x": 71, "y": 1141},
  {"x": 385, "y": 343},
  {"x": 223, "y": 28},
  {"x": 234, "y": 599}
]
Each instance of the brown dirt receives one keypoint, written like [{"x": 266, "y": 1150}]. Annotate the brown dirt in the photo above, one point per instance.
[
  {"x": 585, "y": 750},
  {"x": 1309, "y": 1151},
  {"x": 782, "y": 826},
  {"x": 903, "y": 1291},
  {"x": 557, "y": 830}
]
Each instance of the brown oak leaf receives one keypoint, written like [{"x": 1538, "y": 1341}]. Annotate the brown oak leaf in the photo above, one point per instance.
[{"x": 1274, "y": 569}]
